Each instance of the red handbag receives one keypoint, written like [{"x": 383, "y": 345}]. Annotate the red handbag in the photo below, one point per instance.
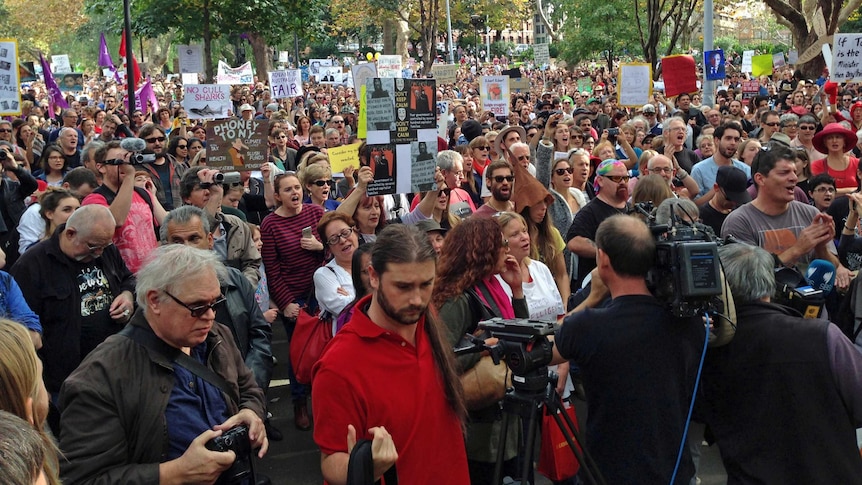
[
  {"x": 556, "y": 460},
  {"x": 310, "y": 336}
]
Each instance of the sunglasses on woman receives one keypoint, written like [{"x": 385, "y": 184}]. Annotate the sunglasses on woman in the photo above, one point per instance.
[
  {"x": 563, "y": 171},
  {"x": 321, "y": 183}
]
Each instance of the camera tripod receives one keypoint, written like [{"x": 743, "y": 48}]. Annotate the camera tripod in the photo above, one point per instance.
[{"x": 528, "y": 397}]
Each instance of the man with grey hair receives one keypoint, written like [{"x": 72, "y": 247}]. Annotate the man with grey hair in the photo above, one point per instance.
[
  {"x": 667, "y": 168},
  {"x": 67, "y": 140},
  {"x": 781, "y": 368},
  {"x": 144, "y": 406},
  {"x": 78, "y": 284},
  {"x": 451, "y": 165},
  {"x": 23, "y": 452}
]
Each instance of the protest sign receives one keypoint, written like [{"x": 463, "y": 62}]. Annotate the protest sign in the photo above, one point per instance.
[
  {"x": 389, "y": 67},
  {"x": 541, "y": 55},
  {"x": 713, "y": 65},
  {"x": 761, "y": 65},
  {"x": 207, "y": 101},
  {"x": 27, "y": 71},
  {"x": 793, "y": 56},
  {"x": 61, "y": 63},
  {"x": 494, "y": 92},
  {"x": 190, "y": 78},
  {"x": 585, "y": 84},
  {"x": 286, "y": 84},
  {"x": 635, "y": 82},
  {"x": 445, "y": 73},
  {"x": 680, "y": 75},
  {"x": 519, "y": 84},
  {"x": 778, "y": 59},
  {"x": 443, "y": 119},
  {"x": 343, "y": 156},
  {"x": 846, "y": 54},
  {"x": 10, "y": 94},
  {"x": 315, "y": 66},
  {"x": 191, "y": 58},
  {"x": 237, "y": 145},
  {"x": 362, "y": 122},
  {"x": 750, "y": 89},
  {"x": 746, "y": 60},
  {"x": 234, "y": 75},
  {"x": 362, "y": 72},
  {"x": 71, "y": 82}
]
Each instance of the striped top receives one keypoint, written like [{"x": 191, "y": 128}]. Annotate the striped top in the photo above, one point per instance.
[{"x": 289, "y": 268}]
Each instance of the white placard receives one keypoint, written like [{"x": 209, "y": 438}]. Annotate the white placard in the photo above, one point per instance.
[
  {"x": 315, "y": 65},
  {"x": 846, "y": 57},
  {"x": 234, "y": 75},
  {"x": 443, "y": 119},
  {"x": 207, "y": 101},
  {"x": 330, "y": 75},
  {"x": 191, "y": 58},
  {"x": 541, "y": 55},
  {"x": 283, "y": 57},
  {"x": 286, "y": 84},
  {"x": 190, "y": 78},
  {"x": 778, "y": 59},
  {"x": 362, "y": 72},
  {"x": 635, "y": 83},
  {"x": 495, "y": 94},
  {"x": 746, "y": 60},
  {"x": 389, "y": 67},
  {"x": 793, "y": 57},
  {"x": 10, "y": 92},
  {"x": 60, "y": 64}
]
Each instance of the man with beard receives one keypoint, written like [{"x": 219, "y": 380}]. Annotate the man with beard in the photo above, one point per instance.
[
  {"x": 612, "y": 180},
  {"x": 727, "y": 137},
  {"x": 736, "y": 112},
  {"x": 500, "y": 179},
  {"x": 403, "y": 395},
  {"x": 165, "y": 171}
]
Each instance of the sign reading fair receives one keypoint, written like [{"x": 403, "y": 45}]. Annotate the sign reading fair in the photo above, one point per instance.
[
  {"x": 207, "y": 101},
  {"x": 286, "y": 84},
  {"x": 236, "y": 144}
]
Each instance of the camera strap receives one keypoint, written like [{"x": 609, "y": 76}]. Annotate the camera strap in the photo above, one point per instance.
[{"x": 151, "y": 342}]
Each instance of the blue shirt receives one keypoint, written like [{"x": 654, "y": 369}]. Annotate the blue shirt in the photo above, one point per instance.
[
  {"x": 705, "y": 171},
  {"x": 194, "y": 406}
]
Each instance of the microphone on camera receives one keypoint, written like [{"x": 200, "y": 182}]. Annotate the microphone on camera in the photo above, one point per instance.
[
  {"x": 821, "y": 275},
  {"x": 133, "y": 144}
]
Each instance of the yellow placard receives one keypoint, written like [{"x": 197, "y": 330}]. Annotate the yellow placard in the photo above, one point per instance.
[
  {"x": 362, "y": 126},
  {"x": 761, "y": 65},
  {"x": 343, "y": 157}
]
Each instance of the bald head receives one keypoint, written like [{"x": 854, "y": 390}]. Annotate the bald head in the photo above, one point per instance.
[
  {"x": 628, "y": 244},
  {"x": 90, "y": 217}
]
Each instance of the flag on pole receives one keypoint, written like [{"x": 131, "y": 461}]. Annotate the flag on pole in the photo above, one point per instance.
[
  {"x": 135, "y": 69},
  {"x": 55, "y": 97},
  {"x": 105, "y": 58}
]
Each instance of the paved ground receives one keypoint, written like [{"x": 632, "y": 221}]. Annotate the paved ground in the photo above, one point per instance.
[{"x": 296, "y": 460}]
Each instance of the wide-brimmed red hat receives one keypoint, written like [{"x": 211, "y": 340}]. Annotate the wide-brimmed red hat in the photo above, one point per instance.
[
  {"x": 834, "y": 129},
  {"x": 855, "y": 106}
]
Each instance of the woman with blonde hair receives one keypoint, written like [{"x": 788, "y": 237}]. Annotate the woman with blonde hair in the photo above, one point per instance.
[{"x": 22, "y": 391}]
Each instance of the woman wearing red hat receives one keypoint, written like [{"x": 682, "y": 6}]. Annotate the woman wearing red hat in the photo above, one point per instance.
[{"x": 836, "y": 141}]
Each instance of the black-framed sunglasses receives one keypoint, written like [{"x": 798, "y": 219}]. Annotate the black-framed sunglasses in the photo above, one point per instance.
[
  {"x": 197, "y": 311},
  {"x": 500, "y": 178},
  {"x": 321, "y": 183},
  {"x": 336, "y": 238},
  {"x": 155, "y": 139},
  {"x": 563, "y": 171}
]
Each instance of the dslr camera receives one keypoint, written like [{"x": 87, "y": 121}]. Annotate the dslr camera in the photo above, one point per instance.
[{"x": 236, "y": 440}]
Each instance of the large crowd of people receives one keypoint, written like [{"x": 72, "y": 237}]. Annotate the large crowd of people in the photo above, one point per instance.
[{"x": 145, "y": 292}]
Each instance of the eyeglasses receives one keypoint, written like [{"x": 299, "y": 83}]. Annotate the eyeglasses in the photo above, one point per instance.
[
  {"x": 791, "y": 125},
  {"x": 807, "y": 127},
  {"x": 445, "y": 191},
  {"x": 828, "y": 190},
  {"x": 97, "y": 248},
  {"x": 563, "y": 171},
  {"x": 662, "y": 169},
  {"x": 774, "y": 123},
  {"x": 336, "y": 238},
  {"x": 155, "y": 139},
  {"x": 321, "y": 183},
  {"x": 197, "y": 311},
  {"x": 617, "y": 178},
  {"x": 500, "y": 178},
  {"x": 340, "y": 122},
  {"x": 483, "y": 148},
  {"x": 5, "y": 130}
]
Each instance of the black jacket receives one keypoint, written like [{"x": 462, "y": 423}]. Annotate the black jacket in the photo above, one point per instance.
[{"x": 47, "y": 280}]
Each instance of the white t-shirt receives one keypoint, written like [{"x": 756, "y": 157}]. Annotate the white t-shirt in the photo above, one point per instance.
[{"x": 543, "y": 297}]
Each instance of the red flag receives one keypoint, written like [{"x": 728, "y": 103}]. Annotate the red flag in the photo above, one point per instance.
[{"x": 135, "y": 69}]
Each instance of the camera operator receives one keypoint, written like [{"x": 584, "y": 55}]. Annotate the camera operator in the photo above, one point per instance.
[
  {"x": 637, "y": 361},
  {"x": 135, "y": 413},
  {"x": 793, "y": 383},
  {"x": 137, "y": 212}
]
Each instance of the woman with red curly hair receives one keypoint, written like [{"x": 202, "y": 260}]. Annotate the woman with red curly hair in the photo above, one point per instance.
[{"x": 466, "y": 292}]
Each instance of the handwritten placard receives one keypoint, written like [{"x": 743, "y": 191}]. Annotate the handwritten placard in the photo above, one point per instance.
[
  {"x": 236, "y": 144},
  {"x": 445, "y": 73},
  {"x": 344, "y": 156},
  {"x": 495, "y": 94},
  {"x": 846, "y": 56},
  {"x": 286, "y": 84},
  {"x": 389, "y": 66},
  {"x": 541, "y": 54},
  {"x": 635, "y": 82},
  {"x": 207, "y": 101}
]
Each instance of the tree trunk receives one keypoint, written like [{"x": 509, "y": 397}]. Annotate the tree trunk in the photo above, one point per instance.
[
  {"x": 260, "y": 51},
  {"x": 388, "y": 44}
]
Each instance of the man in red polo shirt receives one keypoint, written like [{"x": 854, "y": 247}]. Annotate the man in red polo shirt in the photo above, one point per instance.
[{"x": 389, "y": 376}]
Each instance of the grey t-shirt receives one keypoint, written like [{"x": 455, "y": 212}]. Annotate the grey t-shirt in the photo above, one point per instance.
[{"x": 775, "y": 234}]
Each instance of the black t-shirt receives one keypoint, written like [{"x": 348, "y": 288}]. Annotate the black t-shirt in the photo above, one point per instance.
[
  {"x": 74, "y": 160},
  {"x": 164, "y": 172},
  {"x": 95, "y": 295},
  {"x": 686, "y": 159},
  {"x": 585, "y": 224},
  {"x": 712, "y": 217},
  {"x": 838, "y": 210},
  {"x": 639, "y": 366}
]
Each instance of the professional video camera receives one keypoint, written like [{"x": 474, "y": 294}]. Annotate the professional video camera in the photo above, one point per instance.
[
  {"x": 687, "y": 274},
  {"x": 138, "y": 152}
]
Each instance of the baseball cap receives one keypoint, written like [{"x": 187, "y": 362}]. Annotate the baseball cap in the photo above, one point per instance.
[
  {"x": 648, "y": 108},
  {"x": 246, "y": 107},
  {"x": 430, "y": 225},
  {"x": 734, "y": 183},
  {"x": 592, "y": 100},
  {"x": 272, "y": 107}
]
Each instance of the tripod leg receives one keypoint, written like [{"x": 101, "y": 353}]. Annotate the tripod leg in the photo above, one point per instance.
[
  {"x": 501, "y": 451},
  {"x": 571, "y": 435},
  {"x": 530, "y": 442}
]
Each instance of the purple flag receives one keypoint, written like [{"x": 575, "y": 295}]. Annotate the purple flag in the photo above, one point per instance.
[
  {"x": 104, "y": 56},
  {"x": 151, "y": 95},
  {"x": 55, "y": 97}
]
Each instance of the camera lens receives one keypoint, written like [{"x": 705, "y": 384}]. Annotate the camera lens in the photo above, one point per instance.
[{"x": 228, "y": 442}]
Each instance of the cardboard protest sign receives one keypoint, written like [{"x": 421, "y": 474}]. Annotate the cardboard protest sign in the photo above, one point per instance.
[
  {"x": 635, "y": 84},
  {"x": 60, "y": 63},
  {"x": 494, "y": 92},
  {"x": 286, "y": 84},
  {"x": 234, "y": 75},
  {"x": 237, "y": 145},
  {"x": 679, "y": 74},
  {"x": 389, "y": 67},
  {"x": 207, "y": 101},
  {"x": 445, "y": 73},
  {"x": 761, "y": 65}
]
